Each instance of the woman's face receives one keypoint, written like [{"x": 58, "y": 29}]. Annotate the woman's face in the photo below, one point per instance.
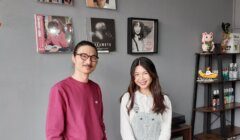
[
  {"x": 137, "y": 28},
  {"x": 142, "y": 78}
]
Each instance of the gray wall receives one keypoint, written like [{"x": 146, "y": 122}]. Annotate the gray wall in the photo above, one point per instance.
[
  {"x": 236, "y": 23},
  {"x": 26, "y": 76}
]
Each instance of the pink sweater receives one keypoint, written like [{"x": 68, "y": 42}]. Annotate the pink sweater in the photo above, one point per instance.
[{"x": 75, "y": 111}]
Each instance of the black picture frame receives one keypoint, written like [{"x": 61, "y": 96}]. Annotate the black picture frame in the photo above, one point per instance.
[
  {"x": 145, "y": 41},
  {"x": 101, "y": 32}
]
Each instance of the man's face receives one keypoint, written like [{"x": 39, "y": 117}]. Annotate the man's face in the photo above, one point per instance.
[{"x": 85, "y": 66}]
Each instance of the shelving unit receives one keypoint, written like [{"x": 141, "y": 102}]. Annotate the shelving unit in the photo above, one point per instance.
[{"x": 224, "y": 131}]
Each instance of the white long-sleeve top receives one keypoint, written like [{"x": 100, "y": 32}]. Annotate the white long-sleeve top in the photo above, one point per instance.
[{"x": 145, "y": 104}]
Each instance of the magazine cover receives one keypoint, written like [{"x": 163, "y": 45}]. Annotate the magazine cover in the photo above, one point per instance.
[
  {"x": 102, "y": 4},
  {"x": 53, "y": 34},
  {"x": 66, "y": 2},
  {"x": 102, "y": 33}
]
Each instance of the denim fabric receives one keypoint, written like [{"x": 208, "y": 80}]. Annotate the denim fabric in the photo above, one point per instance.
[{"x": 146, "y": 126}]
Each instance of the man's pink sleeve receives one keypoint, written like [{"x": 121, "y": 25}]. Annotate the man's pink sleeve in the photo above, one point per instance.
[
  {"x": 55, "y": 115},
  {"x": 102, "y": 120}
]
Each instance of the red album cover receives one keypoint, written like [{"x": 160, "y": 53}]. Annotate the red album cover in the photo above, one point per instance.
[{"x": 53, "y": 34}]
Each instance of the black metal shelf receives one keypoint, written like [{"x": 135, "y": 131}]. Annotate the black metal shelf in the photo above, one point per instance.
[
  {"x": 217, "y": 81},
  {"x": 223, "y": 131},
  {"x": 211, "y": 109},
  {"x": 215, "y": 134}
]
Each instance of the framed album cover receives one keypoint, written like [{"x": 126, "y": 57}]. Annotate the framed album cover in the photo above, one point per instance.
[
  {"x": 142, "y": 36},
  {"x": 101, "y": 32},
  {"x": 102, "y": 4},
  {"x": 64, "y": 2},
  {"x": 54, "y": 34}
]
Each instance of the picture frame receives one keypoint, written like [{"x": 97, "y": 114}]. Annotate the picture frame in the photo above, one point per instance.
[
  {"x": 102, "y": 4},
  {"x": 142, "y": 36},
  {"x": 101, "y": 32},
  {"x": 63, "y": 2},
  {"x": 54, "y": 34}
]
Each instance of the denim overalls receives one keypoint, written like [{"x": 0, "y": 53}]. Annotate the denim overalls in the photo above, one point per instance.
[{"x": 145, "y": 125}]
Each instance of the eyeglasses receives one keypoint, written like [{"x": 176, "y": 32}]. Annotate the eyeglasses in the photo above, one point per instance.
[{"x": 84, "y": 57}]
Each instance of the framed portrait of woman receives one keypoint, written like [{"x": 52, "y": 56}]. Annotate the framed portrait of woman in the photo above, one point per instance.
[{"x": 142, "y": 36}]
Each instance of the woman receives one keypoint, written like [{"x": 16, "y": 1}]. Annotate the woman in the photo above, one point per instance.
[
  {"x": 146, "y": 113},
  {"x": 137, "y": 36}
]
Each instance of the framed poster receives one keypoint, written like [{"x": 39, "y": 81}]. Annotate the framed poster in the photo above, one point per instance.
[
  {"x": 54, "y": 34},
  {"x": 142, "y": 36},
  {"x": 102, "y": 4},
  {"x": 65, "y": 2},
  {"x": 101, "y": 32}
]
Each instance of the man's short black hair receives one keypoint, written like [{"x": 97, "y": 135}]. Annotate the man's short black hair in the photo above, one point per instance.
[{"x": 83, "y": 43}]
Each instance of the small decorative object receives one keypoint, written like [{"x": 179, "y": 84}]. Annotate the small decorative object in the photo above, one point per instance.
[
  {"x": 226, "y": 27},
  {"x": 208, "y": 74},
  {"x": 142, "y": 36},
  {"x": 231, "y": 41},
  {"x": 54, "y": 34},
  {"x": 225, "y": 41},
  {"x": 102, "y": 4},
  {"x": 64, "y": 2},
  {"x": 233, "y": 44},
  {"x": 226, "y": 36},
  {"x": 207, "y": 42},
  {"x": 101, "y": 32}
]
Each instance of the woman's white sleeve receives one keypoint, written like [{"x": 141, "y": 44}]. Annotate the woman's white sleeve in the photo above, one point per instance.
[
  {"x": 166, "y": 120},
  {"x": 125, "y": 126}
]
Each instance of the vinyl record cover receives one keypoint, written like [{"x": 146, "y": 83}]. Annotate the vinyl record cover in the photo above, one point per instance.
[
  {"x": 65, "y": 2},
  {"x": 102, "y": 33},
  {"x": 101, "y": 4},
  {"x": 53, "y": 34}
]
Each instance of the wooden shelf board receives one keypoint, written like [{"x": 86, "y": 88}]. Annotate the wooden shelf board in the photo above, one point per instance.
[
  {"x": 215, "y": 134},
  {"x": 216, "y": 81},
  {"x": 201, "y": 53},
  {"x": 218, "y": 109}
]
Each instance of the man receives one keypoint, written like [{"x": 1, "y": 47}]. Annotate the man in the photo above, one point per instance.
[{"x": 75, "y": 110}]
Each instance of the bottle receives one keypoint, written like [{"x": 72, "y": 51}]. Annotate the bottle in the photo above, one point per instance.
[
  {"x": 235, "y": 71},
  {"x": 214, "y": 98},
  {"x": 232, "y": 96},
  {"x": 226, "y": 74},
  {"x": 217, "y": 97},
  {"x": 230, "y": 71},
  {"x": 225, "y": 93}
]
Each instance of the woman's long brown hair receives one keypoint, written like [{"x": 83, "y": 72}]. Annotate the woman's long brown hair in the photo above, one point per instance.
[{"x": 155, "y": 88}]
